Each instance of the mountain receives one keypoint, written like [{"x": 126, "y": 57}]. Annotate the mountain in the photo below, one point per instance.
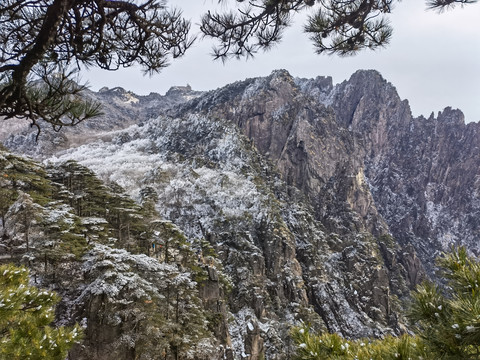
[
  {"x": 323, "y": 203},
  {"x": 120, "y": 109},
  {"x": 133, "y": 281},
  {"x": 421, "y": 175}
]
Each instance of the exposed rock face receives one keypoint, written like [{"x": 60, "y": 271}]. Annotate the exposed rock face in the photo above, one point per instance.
[
  {"x": 302, "y": 136},
  {"x": 325, "y": 203},
  {"x": 317, "y": 155},
  {"x": 365, "y": 165},
  {"x": 356, "y": 145},
  {"x": 423, "y": 172}
]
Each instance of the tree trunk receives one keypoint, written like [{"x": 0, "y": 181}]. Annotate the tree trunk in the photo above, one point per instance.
[{"x": 53, "y": 17}]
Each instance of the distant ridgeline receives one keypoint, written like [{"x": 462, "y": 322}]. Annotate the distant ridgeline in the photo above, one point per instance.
[{"x": 217, "y": 221}]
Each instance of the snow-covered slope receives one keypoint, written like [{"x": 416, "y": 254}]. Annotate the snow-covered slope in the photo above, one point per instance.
[
  {"x": 325, "y": 203},
  {"x": 211, "y": 181}
]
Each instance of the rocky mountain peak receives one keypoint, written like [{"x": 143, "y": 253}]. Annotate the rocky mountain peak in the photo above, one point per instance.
[
  {"x": 280, "y": 75},
  {"x": 178, "y": 90},
  {"x": 324, "y": 202},
  {"x": 117, "y": 90},
  {"x": 367, "y": 76},
  {"x": 451, "y": 116}
]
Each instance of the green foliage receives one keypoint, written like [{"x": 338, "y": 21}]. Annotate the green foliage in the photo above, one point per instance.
[
  {"x": 7, "y": 198},
  {"x": 171, "y": 245},
  {"x": 25, "y": 316},
  {"x": 207, "y": 249},
  {"x": 387, "y": 239},
  {"x": 64, "y": 240},
  {"x": 83, "y": 224},
  {"x": 448, "y": 319},
  {"x": 151, "y": 339},
  {"x": 159, "y": 302},
  {"x": 90, "y": 197},
  {"x": 80, "y": 188},
  {"x": 446, "y": 322},
  {"x": 21, "y": 174},
  {"x": 326, "y": 346}
]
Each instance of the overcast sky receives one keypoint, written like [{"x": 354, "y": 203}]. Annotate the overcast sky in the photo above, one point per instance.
[{"x": 433, "y": 60}]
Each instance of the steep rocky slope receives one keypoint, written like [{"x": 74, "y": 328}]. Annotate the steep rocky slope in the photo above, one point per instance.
[
  {"x": 120, "y": 109},
  {"x": 420, "y": 175},
  {"x": 134, "y": 282},
  {"x": 325, "y": 203},
  {"x": 423, "y": 173},
  {"x": 286, "y": 266}
]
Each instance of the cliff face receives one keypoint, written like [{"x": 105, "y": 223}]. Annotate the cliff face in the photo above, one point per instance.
[
  {"x": 355, "y": 148},
  {"x": 306, "y": 140},
  {"x": 423, "y": 173},
  {"x": 434, "y": 167},
  {"x": 325, "y": 203}
]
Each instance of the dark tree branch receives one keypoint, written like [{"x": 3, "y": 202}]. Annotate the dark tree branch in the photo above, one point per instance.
[
  {"x": 258, "y": 26},
  {"x": 43, "y": 38},
  {"x": 341, "y": 27},
  {"x": 445, "y": 4}
]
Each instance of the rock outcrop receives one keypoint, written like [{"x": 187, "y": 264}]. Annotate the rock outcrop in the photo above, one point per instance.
[
  {"x": 325, "y": 203},
  {"x": 356, "y": 144}
]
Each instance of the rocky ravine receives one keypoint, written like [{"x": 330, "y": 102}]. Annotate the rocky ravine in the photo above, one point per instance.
[{"x": 326, "y": 203}]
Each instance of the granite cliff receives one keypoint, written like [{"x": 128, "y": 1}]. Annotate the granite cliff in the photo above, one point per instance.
[{"x": 324, "y": 203}]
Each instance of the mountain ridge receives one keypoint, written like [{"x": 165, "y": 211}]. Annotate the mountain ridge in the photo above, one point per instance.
[{"x": 324, "y": 202}]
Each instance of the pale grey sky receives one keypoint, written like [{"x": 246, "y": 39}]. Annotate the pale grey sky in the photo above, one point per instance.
[{"x": 432, "y": 60}]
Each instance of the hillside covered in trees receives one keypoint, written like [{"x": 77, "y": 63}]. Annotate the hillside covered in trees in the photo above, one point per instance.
[
  {"x": 133, "y": 281},
  {"x": 209, "y": 224}
]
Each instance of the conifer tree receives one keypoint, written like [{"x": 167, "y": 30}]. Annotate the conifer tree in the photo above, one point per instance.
[
  {"x": 448, "y": 318},
  {"x": 341, "y": 27},
  {"x": 159, "y": 302},
  {"x": 446, "y": 322},
  {"x": 25, "y": 216},
  {"x": 312, "y": 346},
  {"x": 42, "y": 39},
  {"x": 7, "y": 198},
  {"x": 26, "y": 313}
]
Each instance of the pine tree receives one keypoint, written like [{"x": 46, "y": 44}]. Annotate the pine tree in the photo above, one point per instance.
[
  {"x": 41, "y": 40},
  {"x": 312, "y": 346},
  {"x": 448, "y": 317},
  {"x": 26, "y": 313},
  {"x": 7, "y": 198},
  {"x": 24, "y": 217},
  {"x": 162, "y": 314},
  {"x": 341, "y": 27}
]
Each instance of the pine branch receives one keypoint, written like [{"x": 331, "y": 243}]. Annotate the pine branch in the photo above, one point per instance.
[
  {"x": 445, "y": 4},
  {"x": 59, "y": 34}
]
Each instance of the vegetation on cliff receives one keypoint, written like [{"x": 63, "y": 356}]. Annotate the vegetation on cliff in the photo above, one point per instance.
[
  {"x": 133, "y": 281},
  {"x": 26, "y": 313},
  {"x": 445, "y": 320}
]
